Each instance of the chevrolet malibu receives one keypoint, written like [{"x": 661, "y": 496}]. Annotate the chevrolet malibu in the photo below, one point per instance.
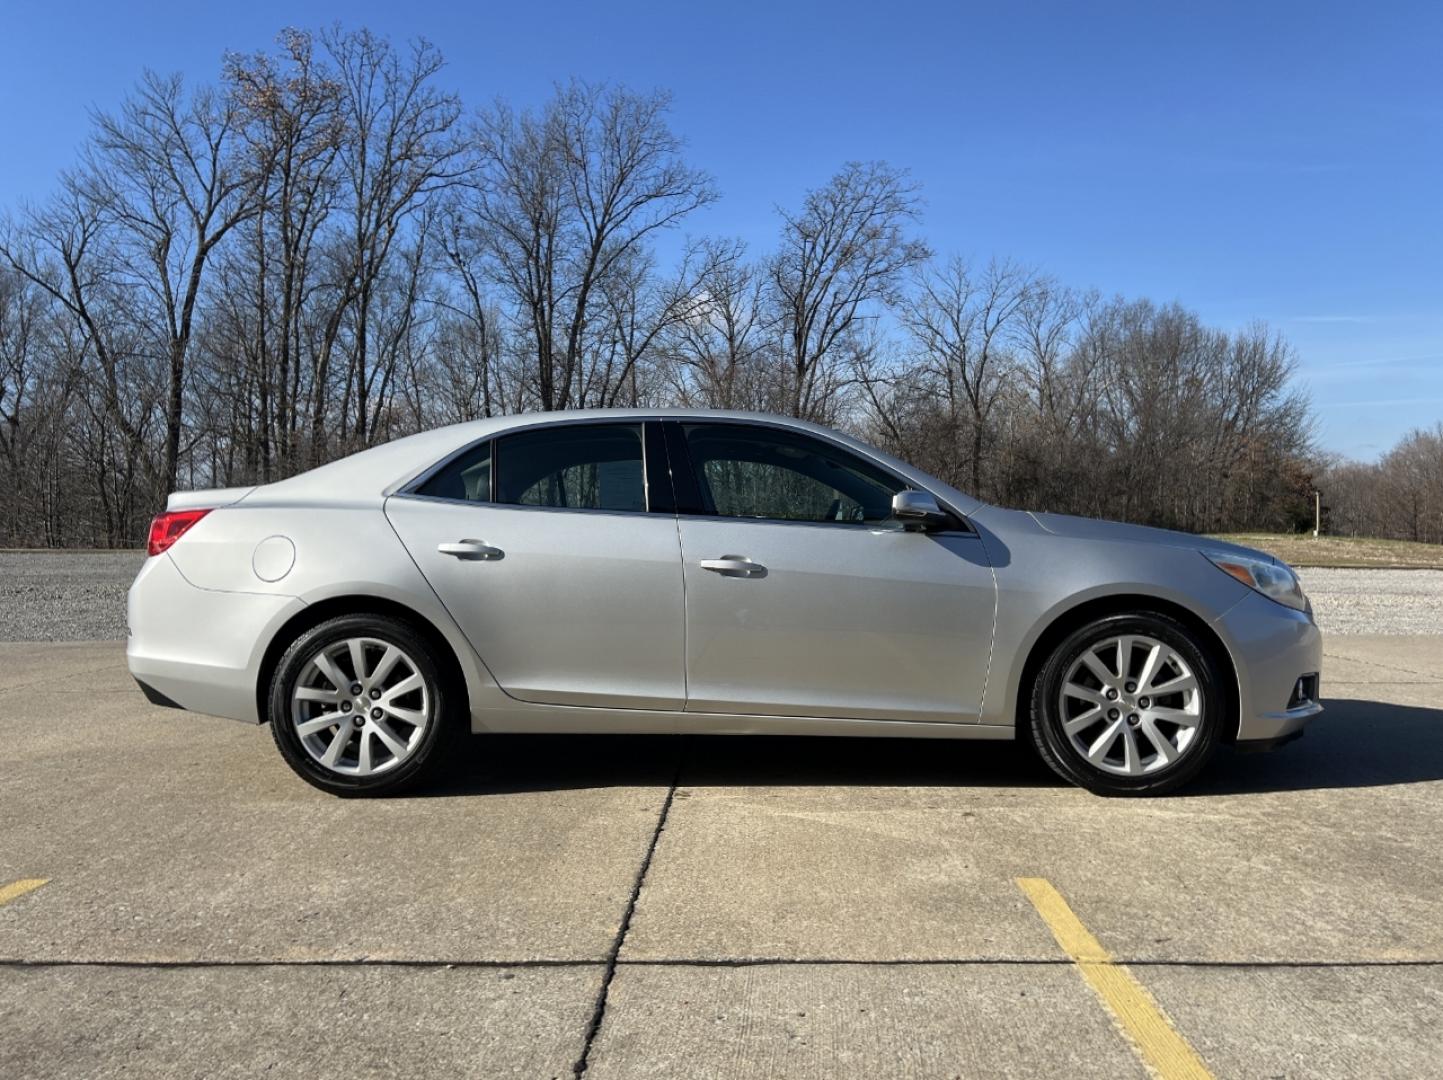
[{"x": 714, "y": 572}]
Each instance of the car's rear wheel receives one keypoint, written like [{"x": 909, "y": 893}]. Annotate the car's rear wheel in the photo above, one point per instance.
[
  {"x": 1129, "y": 705},
  {"x": 359, "y": 706}
]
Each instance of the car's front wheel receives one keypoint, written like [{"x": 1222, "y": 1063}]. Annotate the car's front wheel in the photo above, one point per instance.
[
  {"x": 358, "y": 705},
  {"x": 1129, "y": 705}
]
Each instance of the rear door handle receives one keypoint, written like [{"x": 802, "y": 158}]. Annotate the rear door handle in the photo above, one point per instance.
[
  {"x": 470, "y": 549},
  {"x": 734, "y": 566}
]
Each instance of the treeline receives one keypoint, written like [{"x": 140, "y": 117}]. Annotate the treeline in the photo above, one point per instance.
[
  {"x": 325, "y": 249},
  {"x": 1398, "y": 498}
]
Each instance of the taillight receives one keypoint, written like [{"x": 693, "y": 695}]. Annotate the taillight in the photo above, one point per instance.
[{"x": 169, "y": 526}]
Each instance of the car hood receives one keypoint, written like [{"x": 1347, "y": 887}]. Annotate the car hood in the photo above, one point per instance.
[{"x": 1081, "y": 528}]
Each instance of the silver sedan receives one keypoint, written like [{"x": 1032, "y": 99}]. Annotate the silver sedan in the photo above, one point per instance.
[{"x": 713, "y": 572}]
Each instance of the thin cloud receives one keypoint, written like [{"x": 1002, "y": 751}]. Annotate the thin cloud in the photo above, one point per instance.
[
  {"x": 1395, "y": 361},
  {"x": 1380, "y": 401}
]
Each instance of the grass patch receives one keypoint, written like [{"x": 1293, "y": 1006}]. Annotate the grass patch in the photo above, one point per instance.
[{"x": 1346, "y": 551}]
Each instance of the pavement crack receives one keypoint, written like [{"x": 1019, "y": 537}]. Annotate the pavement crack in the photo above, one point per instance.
[
  {"x": 1011, "y": 961},
  {"x": 598, "y": 1013},
  {"x": 1427, "y": 679},
  {"x": 71, "y": 675}
]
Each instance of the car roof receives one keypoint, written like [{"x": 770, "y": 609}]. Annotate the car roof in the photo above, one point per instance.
[{"x": 372, "y": 474}]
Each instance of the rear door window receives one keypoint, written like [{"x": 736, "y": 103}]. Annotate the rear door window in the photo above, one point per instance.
[{"x": 573, "y": 467}]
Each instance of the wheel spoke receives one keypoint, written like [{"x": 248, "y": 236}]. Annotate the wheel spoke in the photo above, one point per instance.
[
  {"x": 1082, "y": 721},
  {"x": 393, "y": 742},
  {"x": 1176, "y": 686},
  {"x": 1125, "y": 647},
  {"x": 1130, "y": 759},
  {"x": 1104, "y": 742},
  {"x": 318, "y": 693},
  {"x": 414, "y": 717},
  {"x": 1174, "y": 716},
  {"x": 1149, "y": 669},
  {"x": 318, "y": 723},
  {"x": 327, "y": 667},
  {"x": 358, "y": 658},
  {"x": 337, "y": 747},
  {"x": 1097, "y": 667},
  {"x": 363, "y": 758},
  {"x": 405, "y": 686},
  {"x": 1160, "y": 742},
  {"x": 385, "y": 664},
  {"x": 1082, "y": 693}
]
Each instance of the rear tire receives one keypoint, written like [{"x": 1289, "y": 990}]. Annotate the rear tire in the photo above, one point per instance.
[
  {"x": 1130, "y": 704},
  {"x": 359, "y": 706}
]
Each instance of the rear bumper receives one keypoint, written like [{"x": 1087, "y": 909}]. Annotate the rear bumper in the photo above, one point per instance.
[
  {"x": 199, "y": 649},
  {"x": 155, "y": 697},
  {"x": 1272, "y": 646}
]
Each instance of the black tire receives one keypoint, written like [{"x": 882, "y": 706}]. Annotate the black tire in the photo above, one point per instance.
[
  {"x": 1057, "y": 749},
  {"x": 434, "y": 736}
]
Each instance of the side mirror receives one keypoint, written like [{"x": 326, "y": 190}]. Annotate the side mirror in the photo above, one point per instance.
[{"x": 917, "y": 511}]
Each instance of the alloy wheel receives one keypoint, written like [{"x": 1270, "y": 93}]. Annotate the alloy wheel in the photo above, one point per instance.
[
  {"x": 1131, "y": 705},
  {"x": 360, "y": 706}
]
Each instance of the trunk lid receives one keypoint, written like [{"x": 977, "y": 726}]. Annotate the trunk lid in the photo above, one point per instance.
[{"x": 206, "y": 498}]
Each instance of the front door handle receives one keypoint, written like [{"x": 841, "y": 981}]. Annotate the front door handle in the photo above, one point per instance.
[
  {"x": 470, "y": 549},
  {"x": 734, "y": 566}
]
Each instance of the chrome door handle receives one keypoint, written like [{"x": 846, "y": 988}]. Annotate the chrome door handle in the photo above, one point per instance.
[
  {"x": 734, "y": 565},
  {"x": 470, "y": 549}
]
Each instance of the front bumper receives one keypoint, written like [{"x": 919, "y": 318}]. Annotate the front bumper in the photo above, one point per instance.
[
  {"x": 1271, "y": 647},
  {"x": 199, "y": 649}
]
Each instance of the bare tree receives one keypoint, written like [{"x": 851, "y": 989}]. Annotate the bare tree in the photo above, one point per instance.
[
  {"x": 27, "y": 420},
  {"x": 847, "y": 249},
  {"x": 720, "y": 343},
  {"x": 66, "y": 251},
  {"x": 166, "y": 172},
  {"x": 398, "y": 151},
  {"x": 293, "y": 129},
  {"x": 471, "y": 356},
  {"x": 569, "y": 199},
  {"x": 963, "y": 326},
  {"x": 1413, "y": 486}
]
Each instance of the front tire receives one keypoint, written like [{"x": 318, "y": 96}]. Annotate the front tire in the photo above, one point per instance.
[
  {"x": 359, "y": 706},
  {"x": 1129, "y": 705}
]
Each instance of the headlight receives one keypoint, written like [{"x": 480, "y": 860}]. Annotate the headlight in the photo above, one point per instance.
[{"x": 1273, "y": 580}]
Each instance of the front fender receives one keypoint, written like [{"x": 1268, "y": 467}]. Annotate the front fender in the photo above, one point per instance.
[{"x": 1045, "y": 578}]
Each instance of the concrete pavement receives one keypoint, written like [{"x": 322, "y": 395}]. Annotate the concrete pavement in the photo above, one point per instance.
[{"x": 708, "y": 906}]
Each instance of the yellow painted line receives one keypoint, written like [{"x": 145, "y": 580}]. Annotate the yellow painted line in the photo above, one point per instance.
[
  {"x": 17, "y": 889},
  {"x": 1162, "y": 1049}
]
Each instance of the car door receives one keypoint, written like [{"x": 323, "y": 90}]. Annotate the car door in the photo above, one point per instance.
[
  {"x": 805, "y": 599},
  {"x": 541, "y": 546}
]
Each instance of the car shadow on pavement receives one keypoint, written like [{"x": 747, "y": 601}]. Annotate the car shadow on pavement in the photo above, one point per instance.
[
  {"x": 1353, "y": 744},
  {"x": 497, "y": 764}
]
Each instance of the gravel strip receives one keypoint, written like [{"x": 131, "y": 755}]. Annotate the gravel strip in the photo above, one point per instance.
[
  {"x": 80, "y": 596},
  {"x": 1376, "y": 601},
  {"x": 65, "y": 595}
]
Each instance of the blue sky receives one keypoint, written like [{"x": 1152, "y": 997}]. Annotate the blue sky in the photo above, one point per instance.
[{"x": 1271, "y": 161}]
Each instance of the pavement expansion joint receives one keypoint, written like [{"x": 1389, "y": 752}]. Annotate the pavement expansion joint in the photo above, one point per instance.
[
  {"x": 13, "y": 962},
  {"x": 598, "y": 1014},
  {"x": 10, "y": 962}
]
